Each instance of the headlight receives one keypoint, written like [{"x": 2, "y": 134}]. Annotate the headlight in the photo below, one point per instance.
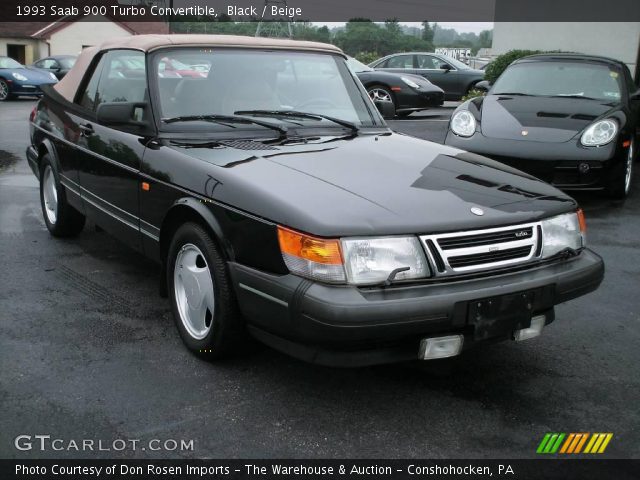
[
  {"x": 371, "y": 260},
  {"x": 411, "y": 83},
  {"x": 562, "y": 232},
  {"x": 357, "y": 261},
  {"x": 19, "y": 76},
  {"x": 53, "y": 76},
  {"x": 463, "y": 123},
  {"x": 600, "y": 133}
]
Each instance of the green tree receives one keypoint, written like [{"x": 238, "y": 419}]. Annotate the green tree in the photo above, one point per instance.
[{"x": 428, "y": 32}]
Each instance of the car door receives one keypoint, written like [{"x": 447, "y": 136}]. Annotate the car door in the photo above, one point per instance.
[
  {"x": 398, "y": 64},
  {"x": 110, "y": 165},
  {"x": 430, "y": 67}
]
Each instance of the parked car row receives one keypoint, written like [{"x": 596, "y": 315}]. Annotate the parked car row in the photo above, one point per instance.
[{"x": 279, "y": 204}]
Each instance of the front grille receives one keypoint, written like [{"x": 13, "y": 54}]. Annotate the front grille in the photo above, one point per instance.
[
  {"x": 464, "y": 252},
  {"x": 489, "y": 257},
  {"x": 486, "y": 238}
]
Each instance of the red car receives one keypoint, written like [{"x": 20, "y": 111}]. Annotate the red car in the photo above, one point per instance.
[{"x": 169, "y": 65}]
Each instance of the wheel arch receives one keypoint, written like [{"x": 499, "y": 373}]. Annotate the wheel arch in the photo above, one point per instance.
[
  {"x": 184, "y": 210},
  {"x": 46, "y": 147}
]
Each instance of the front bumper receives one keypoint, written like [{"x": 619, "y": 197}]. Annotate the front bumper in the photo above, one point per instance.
[
  {"x": 349, "y": 326},
  {"x": 415, "y": 100},
  {"x": 27, "y": 89},
  {"x": 567, "y": 165}
]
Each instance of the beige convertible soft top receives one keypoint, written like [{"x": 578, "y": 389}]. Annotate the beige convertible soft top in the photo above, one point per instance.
[{"x": 68, "y": 86}]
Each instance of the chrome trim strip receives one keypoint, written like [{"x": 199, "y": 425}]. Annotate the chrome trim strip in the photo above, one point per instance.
[
  {"x": 445, "y": 255},
  {"x": 263, "y": 295},
  {"x": 111, "y": 214}
]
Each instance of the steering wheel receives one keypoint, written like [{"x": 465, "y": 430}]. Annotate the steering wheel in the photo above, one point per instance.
[{"x": 317, "y": 101}]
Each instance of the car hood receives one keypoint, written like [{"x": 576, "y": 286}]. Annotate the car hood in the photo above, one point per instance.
[
  {"x": 373, "y": 185},
  {"x": 32, "y": 74},
  {"x": 543, "y": 119}
]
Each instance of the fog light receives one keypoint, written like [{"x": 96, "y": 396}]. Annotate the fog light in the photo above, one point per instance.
[
  {"x": 537, "y": 324},
  {"x": 440, "y": 347},
  {"x": 584, "y": 167}
]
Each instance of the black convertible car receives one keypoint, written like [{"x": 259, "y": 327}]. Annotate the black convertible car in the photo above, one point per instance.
[
  {"x": 278, "y": 203},
  {"x": 407, "y": 93},
  {"x": 571, "y": 120}
]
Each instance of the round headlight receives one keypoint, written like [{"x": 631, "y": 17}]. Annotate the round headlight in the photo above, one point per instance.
[
  {"x": 463, "y": 123},
  {"x": 600, "y": 133},
  {"x": 19, "y": 76},
  {"x": 409, "y": 82}
]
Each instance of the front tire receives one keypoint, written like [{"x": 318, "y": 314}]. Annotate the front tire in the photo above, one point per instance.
[
  {"x": 4, "y": 91},
  {"x": 61, "y": 219},
  {"x": 378, "y": 93},
  {"x": 202, "y": 300},
  {"x": 621, "y": 177}
]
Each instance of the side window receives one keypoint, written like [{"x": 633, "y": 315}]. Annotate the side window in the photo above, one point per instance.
[
  {"x": 123, "y": 77},
  {"x": 49, "y": 63},
  {"x": 88, "y": 97},
  {"x": 426, "y": 61},
  {"x": 401, "y": 61},
  {"x": 437, "y": 63}
]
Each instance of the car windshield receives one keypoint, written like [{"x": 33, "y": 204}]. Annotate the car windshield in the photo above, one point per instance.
[
  {"x": 67, "y": 62},
  {"x": 265, "y": 84},
  {"x": 357, "y": 66},
  {"x": 560, "y": 79},
  {"x": 6, "y": 62}
]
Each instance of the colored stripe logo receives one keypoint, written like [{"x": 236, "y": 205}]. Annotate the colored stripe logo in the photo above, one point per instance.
[{"x": 574, "y": 443}]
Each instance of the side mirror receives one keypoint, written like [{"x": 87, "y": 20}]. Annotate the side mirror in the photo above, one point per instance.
[
  {"x": 122, "y": 114},
  {"x": 386, "y": 109},
  {"x": 483, "y": 86},
  {"x": 445, "y": 66}
]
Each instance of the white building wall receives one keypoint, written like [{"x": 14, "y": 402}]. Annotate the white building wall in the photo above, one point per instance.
[
  {"x": 619, "y": 40},
  {"x": 34, "y": 49},
  {"x": 84, "y": 33}
]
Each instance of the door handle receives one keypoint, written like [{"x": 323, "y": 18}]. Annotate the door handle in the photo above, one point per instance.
[{"x": 86, "y": 130}]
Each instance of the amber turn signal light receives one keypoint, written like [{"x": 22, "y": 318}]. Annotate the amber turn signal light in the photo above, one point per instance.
[
  {"x": 315, "y": 249},
  {"x": 582, "y": 221}
]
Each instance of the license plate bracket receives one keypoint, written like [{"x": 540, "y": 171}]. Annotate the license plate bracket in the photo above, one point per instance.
[{"x": 502, "y": 314}]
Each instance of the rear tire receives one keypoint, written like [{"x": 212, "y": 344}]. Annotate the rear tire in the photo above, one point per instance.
[
  {"x": 202, "y": 298},
  {"x": 622, "y": 174},
  {"x": 61, "y": 219}
]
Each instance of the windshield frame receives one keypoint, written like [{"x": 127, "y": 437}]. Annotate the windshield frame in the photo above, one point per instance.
[
  {"x": 611, "y": 67},
  {"x": 18, "y": 64},
  {"x": 242, "y": 130}
]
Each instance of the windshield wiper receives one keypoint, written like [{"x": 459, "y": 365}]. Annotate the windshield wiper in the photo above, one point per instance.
[
  {"x": 295, "y": 113},
  {"x": 515, "y": 94},
  {"x": 574, "y": 95},
  {"x": 226, "y": 118}
]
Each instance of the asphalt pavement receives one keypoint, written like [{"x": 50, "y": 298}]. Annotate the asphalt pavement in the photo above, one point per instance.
[{"x": 88, "y": 350}]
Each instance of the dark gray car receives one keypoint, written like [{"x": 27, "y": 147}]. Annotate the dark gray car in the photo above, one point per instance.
[
  {"x": 451, "y": 75},
  {"x": 59, "y": 65}
]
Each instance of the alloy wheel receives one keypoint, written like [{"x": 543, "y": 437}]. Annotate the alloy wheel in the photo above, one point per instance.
[
  {"x": 50, "y": 194},
  {"x": 193, "y": 290},
  {"x": 4, "y": 90},
  {"x": 628, "y": 174},
  {"x": 380, "y": 95}
]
